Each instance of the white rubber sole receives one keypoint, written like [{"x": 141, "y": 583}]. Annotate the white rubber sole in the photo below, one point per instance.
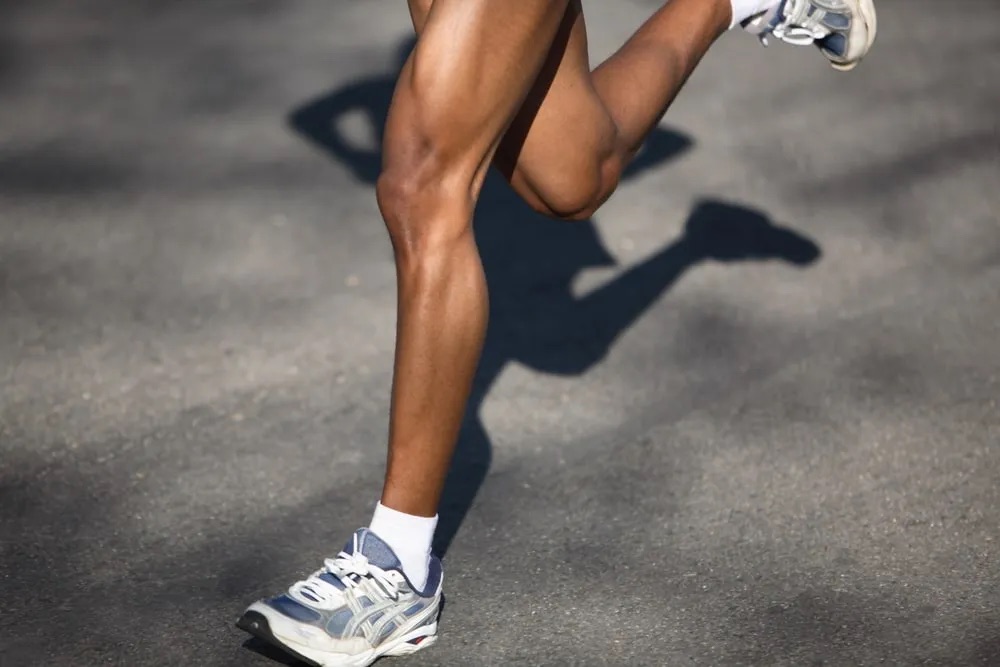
[
  {"x": 866, "y": 12},
  {"x": 269, "y": 625},
  {"x": 396, "y": 647}
]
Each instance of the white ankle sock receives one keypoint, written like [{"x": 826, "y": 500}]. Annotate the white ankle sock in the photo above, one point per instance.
[
  {"x": 744, "y": 9},
  {"x": 409, "y": 536}
]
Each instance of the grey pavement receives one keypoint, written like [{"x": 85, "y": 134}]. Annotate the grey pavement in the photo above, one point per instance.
[{"x": 747, "y": 415}]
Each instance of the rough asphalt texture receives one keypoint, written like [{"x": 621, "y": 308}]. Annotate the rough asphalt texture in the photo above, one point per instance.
[{"x": 746, "y": 415}]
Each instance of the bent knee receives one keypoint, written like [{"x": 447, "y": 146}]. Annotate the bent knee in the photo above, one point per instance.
[{"x": 577, "y": 195}]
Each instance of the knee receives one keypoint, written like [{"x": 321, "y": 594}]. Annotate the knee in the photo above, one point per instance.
[
  {"x": 577, "y": 195},
  {"x": 423, "y": 204}
]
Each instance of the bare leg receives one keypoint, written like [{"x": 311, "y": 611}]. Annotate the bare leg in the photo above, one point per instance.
[
  {"x": 470, "y": 72},
  {"x": 578, "y": 129},
  {"x": 511, "y": 75}
]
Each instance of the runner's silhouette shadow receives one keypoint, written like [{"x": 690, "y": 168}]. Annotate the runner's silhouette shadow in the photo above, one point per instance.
[{"x": 531, "y": 262}]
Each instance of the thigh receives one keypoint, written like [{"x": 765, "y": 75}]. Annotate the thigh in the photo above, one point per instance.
[
  {"x": 472, "y": 69},
  {"x": 562, "y": 126}
]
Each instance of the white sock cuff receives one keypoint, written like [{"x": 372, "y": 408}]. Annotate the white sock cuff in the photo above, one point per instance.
[
  {"x": 403, "y": 522},
  {"x": 409, "y": 536},
  {"x": 744, "y": 9}
]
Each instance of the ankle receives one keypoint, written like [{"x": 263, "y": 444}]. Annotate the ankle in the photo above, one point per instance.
[{"x": 409, "y": 536}]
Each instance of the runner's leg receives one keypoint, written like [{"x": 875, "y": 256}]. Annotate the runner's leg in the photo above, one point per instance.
[
  {"x": 471, "y": 71},
  {"x": 578, "y": 129}
]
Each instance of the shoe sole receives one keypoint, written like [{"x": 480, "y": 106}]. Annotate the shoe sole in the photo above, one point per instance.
[
  {"x": 866, "y": 9},
  {"x": 256, "y": 623}
]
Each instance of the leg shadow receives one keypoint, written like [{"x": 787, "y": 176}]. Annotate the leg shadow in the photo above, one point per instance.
[{"x": 537, "y": 321}]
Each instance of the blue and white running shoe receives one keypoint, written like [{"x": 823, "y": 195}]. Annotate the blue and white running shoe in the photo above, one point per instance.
[
  {"x": 356, "y": 609},
  {"x": 844, "y": 30}
]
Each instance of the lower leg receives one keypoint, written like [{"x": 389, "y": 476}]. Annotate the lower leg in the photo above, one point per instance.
[
  {"x": 441, "y": 322},
  {"x": 638, "y": 83}
]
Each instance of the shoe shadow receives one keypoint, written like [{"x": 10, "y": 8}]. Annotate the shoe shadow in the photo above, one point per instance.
[{"x": 531, "y": 262}]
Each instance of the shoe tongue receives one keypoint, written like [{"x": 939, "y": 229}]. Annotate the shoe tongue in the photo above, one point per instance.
[{"x": 374, "y": 549}]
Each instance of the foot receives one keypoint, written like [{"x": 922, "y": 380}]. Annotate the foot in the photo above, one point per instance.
[
  {"x": 356, "y": 609},
  {"x": 844, "y": 30}
]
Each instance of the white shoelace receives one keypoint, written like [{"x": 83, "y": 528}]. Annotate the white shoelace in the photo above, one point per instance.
[
  {"x": 350, "y": 569},
  {"x": 798, "y": 26}
]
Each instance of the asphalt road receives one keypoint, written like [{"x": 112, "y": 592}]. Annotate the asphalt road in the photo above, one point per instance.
[{"x": 747, "y": 415}]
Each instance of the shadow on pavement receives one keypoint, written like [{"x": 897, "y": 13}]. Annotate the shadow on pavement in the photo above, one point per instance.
[{"x": 531, "y": 263}]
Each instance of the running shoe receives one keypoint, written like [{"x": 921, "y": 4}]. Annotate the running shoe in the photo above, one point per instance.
[
  {"x": 357, "y": 608},
  {"x": 843, "y": 30}
]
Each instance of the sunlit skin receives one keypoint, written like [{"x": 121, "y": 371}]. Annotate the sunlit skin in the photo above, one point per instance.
[{"x": 505, "y": 83}]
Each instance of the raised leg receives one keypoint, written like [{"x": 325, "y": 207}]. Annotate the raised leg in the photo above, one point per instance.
[{"x": 578, "y": 129}]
